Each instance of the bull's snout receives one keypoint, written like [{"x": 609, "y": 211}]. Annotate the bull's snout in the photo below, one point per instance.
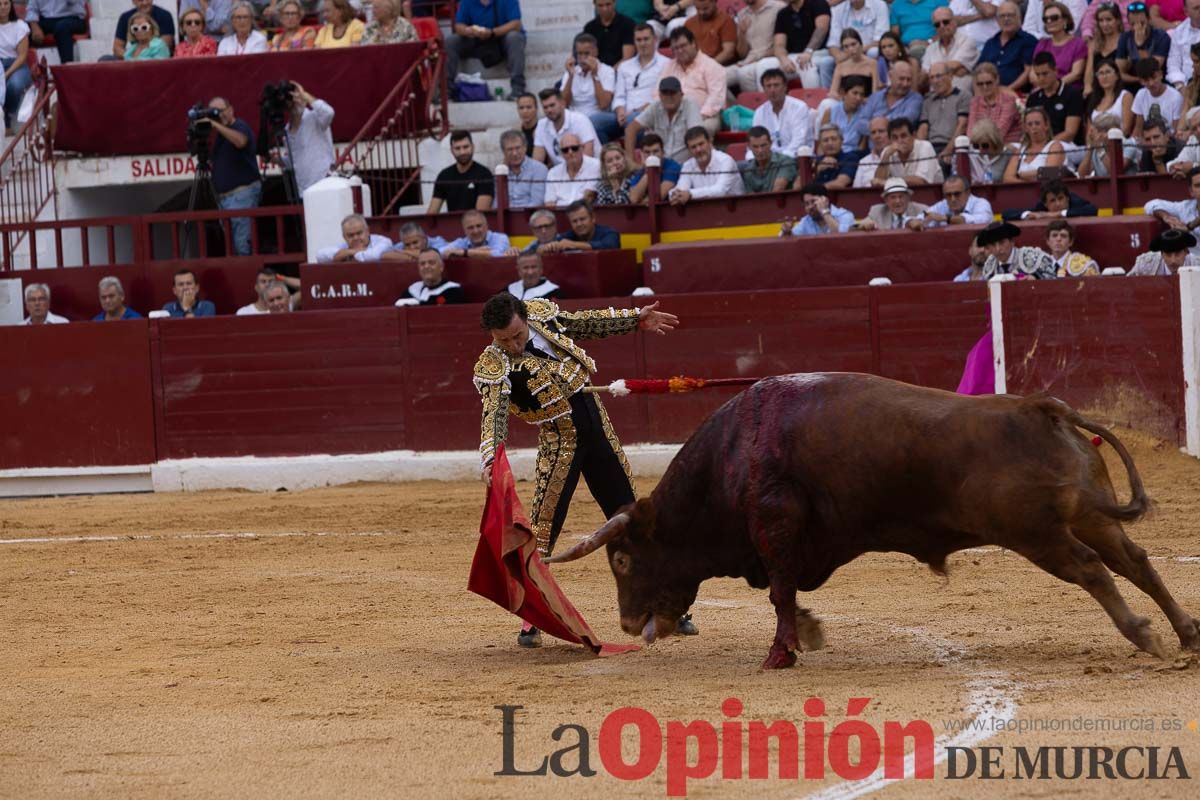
[
  {"x": 634, "y": 625},
  {"x": 649, "y": 627}
]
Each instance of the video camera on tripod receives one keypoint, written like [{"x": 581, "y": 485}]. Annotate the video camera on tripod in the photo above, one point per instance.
[
  {"x": 198, "y": 128},
  {"x": 275, "y": 104}
]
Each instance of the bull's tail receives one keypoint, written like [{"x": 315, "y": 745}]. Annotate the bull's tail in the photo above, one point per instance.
[{"x": 1139, "y": 504}]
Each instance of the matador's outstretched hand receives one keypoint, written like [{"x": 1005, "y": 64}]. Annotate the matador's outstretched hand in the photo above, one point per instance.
[{"x": 653, "y": 321}]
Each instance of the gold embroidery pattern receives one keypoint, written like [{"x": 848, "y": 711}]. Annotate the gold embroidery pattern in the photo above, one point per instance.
[
  {"x": 615, "y": 443},
  {"x": 556, "y": 451},
  {"x": 598, "y": 323},
  {"x": 491, "y": 380}
]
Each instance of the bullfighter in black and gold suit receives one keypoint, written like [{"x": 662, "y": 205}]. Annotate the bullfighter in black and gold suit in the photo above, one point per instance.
[{"x": 534, "y": 370}]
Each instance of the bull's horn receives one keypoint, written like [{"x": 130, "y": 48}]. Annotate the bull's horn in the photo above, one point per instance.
[{"x": 606, "y": 533}]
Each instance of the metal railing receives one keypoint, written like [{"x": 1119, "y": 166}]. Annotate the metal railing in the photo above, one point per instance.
[{"x": 27, "y": 164}]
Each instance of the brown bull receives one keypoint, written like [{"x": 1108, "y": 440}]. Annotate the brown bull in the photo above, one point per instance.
[{"x": 801, "y": 474}]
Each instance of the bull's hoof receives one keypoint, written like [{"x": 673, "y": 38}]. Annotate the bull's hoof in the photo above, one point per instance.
[
  {"x": 1144, "y": 637},
  {"x": 779, "y": 658},
  {"x": 1191, "y": 641},
  {"x": 808, "y": 629}
]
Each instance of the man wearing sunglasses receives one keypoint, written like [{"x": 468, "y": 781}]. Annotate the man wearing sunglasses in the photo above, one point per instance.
[
  {"x": 1185, "y": 34},
  {"x": 575, "y": 178},
  {"x": 166, "y": 26},
  {"x": 953, "y": 49}
]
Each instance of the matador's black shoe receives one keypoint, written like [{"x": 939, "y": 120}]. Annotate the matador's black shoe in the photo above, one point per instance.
[
  {"x": 531, "y": 637},
  {"x": 686, "y": 627}
]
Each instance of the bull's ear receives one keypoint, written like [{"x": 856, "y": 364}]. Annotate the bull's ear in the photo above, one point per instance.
[{"x": 641, "y": 518}]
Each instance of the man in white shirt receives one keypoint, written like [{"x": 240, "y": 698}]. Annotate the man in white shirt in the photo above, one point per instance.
[
  {"x": 588, "y": 85},
  {"x": 359, "y": 245},
  {"x": 558, "y": 121},
  {"x": 914, "y": 160},
  {"x": 877, "y": 137},
  {"x": 708, "y": 173},
  {"x": 637, "y": 76},
  {"x": 37, "y": 303},
  {"x": 1184, "y": 35},
  {"x": 958, "y": 206},
  {"x": 1180, "y": 215},
  {"x": 951, "y": 47},
  {"x": 755, "y": 41},
  {"x": 264, "y": 280},
  {"x": 1155, "y": 98},
  {"x": 1033, "y": 15},
  {"x": 977, "y": 19},
  {"x": 575, "y": 178},
  {"x": 868, "y": 17},
  {"x": 309, "y": 140},
  {"x": 789, "y": 119}
]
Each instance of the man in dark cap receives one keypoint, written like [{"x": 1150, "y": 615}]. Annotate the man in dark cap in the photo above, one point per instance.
[
  {"x": 1005, "y": 258},
  {"x": 1168, "y": 252},
  {"x": 670, "y": 116}
]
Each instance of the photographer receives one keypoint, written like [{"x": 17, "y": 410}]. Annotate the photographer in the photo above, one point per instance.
[
  {"x": 235, "y": 176},
  {"x": 309, "y": 141}
]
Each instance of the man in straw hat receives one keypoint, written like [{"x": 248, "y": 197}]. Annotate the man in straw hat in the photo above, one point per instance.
[{"x": 897, "y": 210}]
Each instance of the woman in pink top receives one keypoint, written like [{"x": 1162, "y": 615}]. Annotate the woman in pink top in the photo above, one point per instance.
[
  {"x": 1069, "y": 51},
  {"x": 992, "y": 102},
  {"x": 292, "y": 36},
  {"x": 1166, "y": 14},
  {"x": 194, "y": 43}
]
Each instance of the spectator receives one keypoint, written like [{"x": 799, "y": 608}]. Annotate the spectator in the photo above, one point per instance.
[
  {"x": 652, "y": 146},
  {"x": 309, "y": 140},
  {"x": 616, "y": 185},
  {"x": 613, "y": 32},
  {"x": 413, "y": 240},
  {"x": 1069, "y": 51},
  {"x": 527, "y": 106},
  {"x": 557, "y": 122},
  {"x": 244, "y": 39},
  {"x": 850, "y": 115},
  {"x": 1186, "y": 34},
  {"x": 1037, "y": 151},
  {"x": 1191, "y": 89},
  {"x": 944, "y": 112},
  {"x": 637, "y": 76},
  {"x": 755, "y": 42},
  {"x": 820, "y": 215},
  {"x": 952, "y": 48},
  {"x": 1158, "y": 148},
  {"x": 588, "y": 85},
  {"x": 801, "y": 28},
  {"x": 160, "y": 19},
  {"x": 112, "y": 301},
  {"x": 545, "y": 230},
  {"x": 235, "y": 176},
  {"x": 491, "y": 31},
  {"x": 708, "y": 173},
  {"x": 1010, "y": 50},
  {"x": 977, "y": 19},
  {"x": 1164, "y": 14},
  {"x": 575, "y": 178},
  {"x": 1062, "y": 104},
  {"x": 877, "y": 137},
  {"x": 787, "y": 119},
  {"x": 1189, "y": 155},
  {"x": 526, "y": 177},
  {"x": 477, "y": 241},
  {"x": 1005, "y": 258},
  {"x": 1089, "y": 24},
  {"x": 1110, "y": 97},
  {"x": 531, "y": 280},
  {"x": 466, "y": 183},
  {"x": 853, "y": 63},
  {"x": 193, "y": 43},
  {"x": 958, "y": 206},
  {"x": 1035, "y": 10},
  {"x": 1056, "y": 202},
  {"x": 61, "y": 19},
  {"x": 292, "y": 35},
  {"x": 912, "y": 160},
  {"x": 868, "y": 18},
  {"x": 978, "y": 256},
  {"x": 278, "y": 299},
  {"x": 992, "y": 104},
  {"x": 1155, "y": 99},
  {"x": 897, "y": 99},
  {"x": 670, "y": 117},
  {"x": 434, "y": 288},
  {"x": 343, "y": 28},
  {"x": 1169, "y": 251},
  {"x": 989, "y": 154},
  {"x": 834, "y": 168},
  {"x": 912, "y": 21},
  {"x": 1095, "y": 162},
  {"x": 215, "y": 14},
  {"x": 897, "y": 211},
  {"x": 37, "y": 304},
  {"x": 359, "y": 243},
  {"x": 716, "y": 35},
  {"x": 669, "y": 15},
  {"x": 262, "y": 281},
  {"x": 145, "y": 44},
  {"x": 1102, "y": 46},
  {"x": 891, "y": 53},
  {"x": 15, "y": 75},
  {"x": 389, "y": 25},
  {"x": 1060, "y": 238},
  {"x": 585, "y": 234},
  {"x": 1140, "y": 41},
  {"x": 766, "y": 170},
  {"x": 702, "y": 79},
  {"x": 187, "y": 302}
]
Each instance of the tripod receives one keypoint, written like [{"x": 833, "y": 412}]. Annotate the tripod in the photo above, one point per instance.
[
  {"x": 279, "y": 144},
  {"x": 201, "y": 180}
]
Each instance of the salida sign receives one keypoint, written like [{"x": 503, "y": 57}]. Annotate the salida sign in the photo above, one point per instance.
[{"x": 181, "y": 166}]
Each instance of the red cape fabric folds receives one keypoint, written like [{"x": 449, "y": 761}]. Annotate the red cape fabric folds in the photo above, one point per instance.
[{"x": 508, "y": 570}]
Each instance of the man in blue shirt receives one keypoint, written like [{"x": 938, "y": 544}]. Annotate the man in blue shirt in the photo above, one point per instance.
[
  {"x": 186, "y": 303},
  {"x": 526, "y": 177},
  {"x": 112, "y": 300},
  {"x": 585, "y": 233},
  {"x": 1010, "y": 50},
  {"x": 61, "y": 19},
  {"x": 820, "y": 216},
  {"x": 898, "y": 99},
  {"x": 479, "y": 242},
  {"x": 235, "y": 175},
  {"x": 489, "y": 30},
  {"x": 652, "y": 145},
  {"x": 912, "y": 21}
]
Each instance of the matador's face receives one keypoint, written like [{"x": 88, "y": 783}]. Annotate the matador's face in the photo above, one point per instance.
[{"x": 512, "y": 338}]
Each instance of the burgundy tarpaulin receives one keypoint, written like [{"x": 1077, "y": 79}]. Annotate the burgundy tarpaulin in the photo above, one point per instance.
[
  {"x": 119, "y": 108},
  {"x": 508, "y": 570}
]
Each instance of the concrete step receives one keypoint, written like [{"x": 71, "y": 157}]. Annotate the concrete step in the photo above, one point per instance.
[
  {"x": 90, "y": 50},
  {"x": 481, "y": 116}
]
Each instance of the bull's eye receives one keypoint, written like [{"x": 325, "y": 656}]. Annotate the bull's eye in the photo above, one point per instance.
[{"x": 621, "y": 563}]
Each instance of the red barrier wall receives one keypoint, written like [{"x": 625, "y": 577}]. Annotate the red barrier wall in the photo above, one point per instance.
[
  {"x": 76, "y": 396},
  {"x": 1092, "y": 341}
]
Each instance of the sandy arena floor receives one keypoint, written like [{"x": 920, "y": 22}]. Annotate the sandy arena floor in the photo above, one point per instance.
[{"x": 324, "y": 645}]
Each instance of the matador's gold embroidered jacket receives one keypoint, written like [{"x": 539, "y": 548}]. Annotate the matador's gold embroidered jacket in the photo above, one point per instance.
[{"x": 538, "y": 390}]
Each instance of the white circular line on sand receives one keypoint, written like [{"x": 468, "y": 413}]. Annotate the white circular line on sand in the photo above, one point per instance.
[{"x": 167, "y": 537}]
